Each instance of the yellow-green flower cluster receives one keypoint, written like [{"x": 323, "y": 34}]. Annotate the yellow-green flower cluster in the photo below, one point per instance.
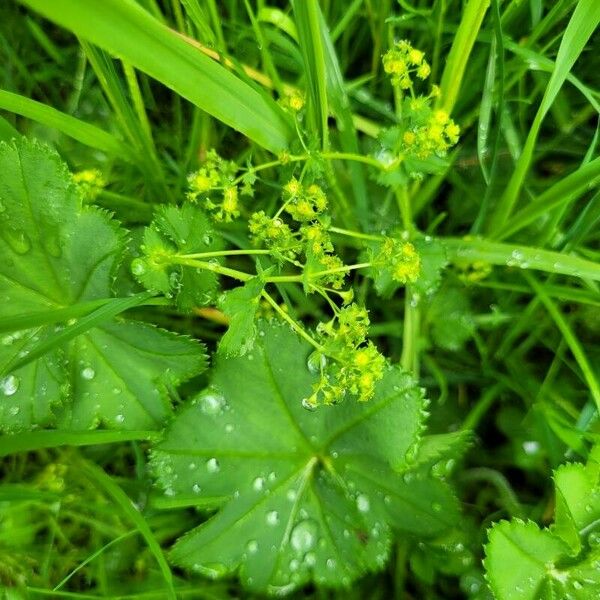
[
  {"x": 304, "y": 203},
  {"x": 293, "y": 102},
  {"x": 356, "y": 364},
  {"x": 423, "y": 132},
  {"x": 429, "y": 132},
  {"x": 273, "y": 233},
  {"x": 402, "y": 61},
  {"x": 400, "y": 258},
  {"x": 212, "y": 185},
  {"x": 90, "y": 183}
]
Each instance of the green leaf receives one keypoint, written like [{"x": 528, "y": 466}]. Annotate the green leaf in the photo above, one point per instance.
[
  {"x": 320, "y": 500},
  {"x": 521, "y": 561},
  {"x": 433, "y": 261},
  {"x": 524, "y": 562},
  {"x": 125, "y": 29},
  {"x": 577, "y": 501},
  {"x": 55, "y": 254},
  {"x": 178, "y": 231},
  {"x": 452, "y": 322},
  {"x": 240, "y": 305}
]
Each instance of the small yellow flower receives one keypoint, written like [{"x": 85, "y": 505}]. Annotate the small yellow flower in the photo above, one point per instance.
[
  {"x": 202, "y": 183},
  {"x": 230, "y": 200},
  {"x": 423, "y": 71},
  {"x": 441, "y": 117},
  {"x": 296, "y": 102},
  {"x": 415, "y": 56},
  {"x": 293, "y": 187},
  {"x": 452, "y": 131},
  {"x": 409, "y": 138}
]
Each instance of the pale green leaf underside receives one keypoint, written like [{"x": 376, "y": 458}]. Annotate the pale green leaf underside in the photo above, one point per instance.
[
  {"x": 176, "y": 230},
  {"x": 240, "y": 305},
  {"x": 303, "y": 495},
  {"x": 524, "y": 563},
  {"x": 54, "y": 253}
]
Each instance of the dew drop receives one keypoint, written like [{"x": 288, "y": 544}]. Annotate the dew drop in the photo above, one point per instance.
[
  {"x": 291, "y": 495},
  {"x": 308, "y": 405},
  {"x": 196, "y": 488},
  {"x": 294, "y": 564},
  {"x": 212, "y": 465},
  {"x": 330, "y": 563},
  {"x": 17, "y": 239},
  {"x": 211, "y": 402},
  {"x": 258, "y": 484},
  {"x": 316, "y": 362},
  {"x": 88, "y": 373},
  {"x": 9, "y": 385},
  {"x": 436, "y": 507},
  {"x": 14, "y": 411},
  {"x": 594, "y": 539},
  {"x": 252, "y": 546},
  {"x": 362, "y": 503},
  {"x": 120, "y": 418},
  {"x": 272, "y": 517},
  {"x": 304, "y": 536},
  {"x": 310, "y": 559},
  {"x": 138, "y": 267}
]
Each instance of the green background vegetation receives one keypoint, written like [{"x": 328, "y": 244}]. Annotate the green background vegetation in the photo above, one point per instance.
[{"x": 506, "y": 349}]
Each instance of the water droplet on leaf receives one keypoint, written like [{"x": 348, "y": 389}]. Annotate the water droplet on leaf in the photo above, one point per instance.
[
  {"x": 9, "y": 385},
  {"x": 304, "y": 535}
]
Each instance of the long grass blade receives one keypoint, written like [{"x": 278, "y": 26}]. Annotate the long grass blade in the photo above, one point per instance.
[
  {"x": 125, "y": 29},
  {"x": 83, "y": 132},
  {"x": 582, "y": 24},
  {"x": 307, "y": 16},
  {"x": 463, "y": 43}
]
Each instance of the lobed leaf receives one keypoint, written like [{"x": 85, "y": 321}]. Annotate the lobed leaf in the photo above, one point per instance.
[
  {"x": 178, "y": 231},
  {"x": 320, "y": 500},
  {"x": 55, "y": 254},
  {"x": 524, "y": 562},
  {"x": 240, "y": 305}
]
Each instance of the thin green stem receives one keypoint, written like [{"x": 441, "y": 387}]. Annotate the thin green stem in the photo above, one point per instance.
[
  {"x": 316, "y": 274},
  {"x": 217, "y": 253},
  {"x": 506, "y": 495},
  {"x": 403, "y": 200},
  {"x": 214, "y": 267},
  {"x": 356, "y": 234},
  {"x": 297, "y": 328}
]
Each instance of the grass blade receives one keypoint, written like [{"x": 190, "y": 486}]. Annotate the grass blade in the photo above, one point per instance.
[
  {"x": 97, "y": 476},
  {"x": 582, "y": 24},
  {"x": 87, "y": 134},
  {"x": 307, "y": 15},
  {"x": 563, "y": 192},
  {"x": 463, "y": 43},
  {"x": 123, "y": 28},
  {"x": 524, "y": 257},
  {"x": 570, "y": 338},
  {"x": 341, "y": 109},
  {"x": 36, "y": 440}
]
